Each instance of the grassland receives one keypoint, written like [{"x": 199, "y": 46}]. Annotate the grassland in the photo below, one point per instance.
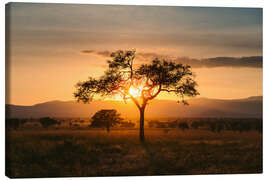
[{"x": 67, "y": 153}]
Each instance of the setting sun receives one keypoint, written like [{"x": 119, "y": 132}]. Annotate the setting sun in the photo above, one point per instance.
[{"x": 135, "y": 91}]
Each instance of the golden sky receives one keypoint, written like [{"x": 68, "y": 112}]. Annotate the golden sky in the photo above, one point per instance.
[{"x": 47, "y": 42}]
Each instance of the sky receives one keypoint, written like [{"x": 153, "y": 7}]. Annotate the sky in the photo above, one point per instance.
[{"x": 53, "y": 46}]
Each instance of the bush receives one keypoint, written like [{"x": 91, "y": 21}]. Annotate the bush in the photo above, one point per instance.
[
  {"x": 15, "y": 123},
  {"x": 127, "y": 124},
  {"x": 47, "y": 121},
  {"x": 183, "y": 126}
]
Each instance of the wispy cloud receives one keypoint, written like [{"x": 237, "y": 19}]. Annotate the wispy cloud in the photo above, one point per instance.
[
  {"x": 87, "y": 51},
  {"x": 245, "y": 61},
  {"x": 140, "y": 56},
  {"x": 99, "y": 53}
]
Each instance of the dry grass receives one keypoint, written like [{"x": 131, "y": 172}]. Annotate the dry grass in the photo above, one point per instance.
[{"x": 65, "y": 153}]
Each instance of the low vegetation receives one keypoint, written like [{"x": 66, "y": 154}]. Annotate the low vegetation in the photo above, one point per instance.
[
  {"x": 70, "y": 147},
  {"x": 211, "y": 124},
  {"x": 47, "y": 122},
  {"x": 93, "y": 152}
]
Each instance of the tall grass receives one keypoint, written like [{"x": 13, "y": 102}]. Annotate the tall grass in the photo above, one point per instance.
[{"x": 67, "y": 153}]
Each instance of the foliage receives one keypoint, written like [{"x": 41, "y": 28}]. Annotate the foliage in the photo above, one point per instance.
[
  {"x": 127, "y": 124},
  {"x": 14, "y": 123},
  {"x": 106, "y": 118},
  {"x": 195, "y": 125},
  {"x": 47, "y": 121},
  {"x": 183, "y": 126},
  {"x": 160, "y": 75},
  {"x": 230, "y": 124},
  {"x": 212, "y": 124},
  {"x": 172, "y": 124}
]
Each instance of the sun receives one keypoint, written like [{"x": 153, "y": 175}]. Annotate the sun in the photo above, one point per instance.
[{"x": 134, "y": 91}]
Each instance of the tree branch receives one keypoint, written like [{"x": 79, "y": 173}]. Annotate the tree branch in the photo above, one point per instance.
[
  {"x": 135, "y": 101},
  {"x": 168, "y": 90},
  {"x": 155, "y": 95},
  {"x": 130, "y": 97}
]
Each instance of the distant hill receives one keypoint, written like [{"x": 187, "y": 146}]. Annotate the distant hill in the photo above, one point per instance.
[{"x": 198, "y": 107}]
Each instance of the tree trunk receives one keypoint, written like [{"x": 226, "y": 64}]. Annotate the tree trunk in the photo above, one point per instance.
[{"x": 142, "y": 124}]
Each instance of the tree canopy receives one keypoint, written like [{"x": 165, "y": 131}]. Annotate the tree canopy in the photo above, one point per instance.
[
  {"x": 47, "y": 121},
  {"x": 149, "y": 79},
  {"x": 106, "y": 118},
  {"x": 141, "y": 84}
]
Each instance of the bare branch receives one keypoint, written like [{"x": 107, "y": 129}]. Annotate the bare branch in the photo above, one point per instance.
[{"x": 155, "y": 95}]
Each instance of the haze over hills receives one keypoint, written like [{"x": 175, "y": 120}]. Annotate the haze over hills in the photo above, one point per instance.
[{"x": 198, "y": 107}]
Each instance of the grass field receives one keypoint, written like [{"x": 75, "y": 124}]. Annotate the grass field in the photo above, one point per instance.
[{"x": 55, "y": 153}]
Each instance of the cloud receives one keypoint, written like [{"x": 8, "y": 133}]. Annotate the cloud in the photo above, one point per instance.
[
  {"x": 86, "y": 51},
  {"x": 140, "y": 56},
  {"x": 237, "y": 62},
  {"x": 93, "y": 52},
  {"x": 143, "y": 57},
  {"x": 251, "y": 61}
]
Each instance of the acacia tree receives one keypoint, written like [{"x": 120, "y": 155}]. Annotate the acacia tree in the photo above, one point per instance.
[
  {"x": 47, "y": 121},
  {"x": 142, "y": 84},
  {"x": 106, "y": 118}
]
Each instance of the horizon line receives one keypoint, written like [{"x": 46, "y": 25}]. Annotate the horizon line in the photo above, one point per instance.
[{"x": 128, "y": 100}]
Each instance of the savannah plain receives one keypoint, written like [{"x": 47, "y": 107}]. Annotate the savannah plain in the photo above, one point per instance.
[{"x": 166, "y": 151}]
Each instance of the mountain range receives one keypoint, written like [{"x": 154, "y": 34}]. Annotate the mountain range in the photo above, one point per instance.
[{"x": 198, "y": 107}]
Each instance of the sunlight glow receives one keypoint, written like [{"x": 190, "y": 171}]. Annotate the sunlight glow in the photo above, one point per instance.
[{"x": 135, "y": 91}]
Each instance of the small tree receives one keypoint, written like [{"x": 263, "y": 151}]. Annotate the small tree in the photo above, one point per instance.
[
  {"x": 47, "y": 121},
  {"x": 183, "y": 126},
  {"x": 172, "y": 124},
  {"x": 195, "y": 125},
  {"x": 140, "y": 85},
  {"x": 106, "y": 118}
]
